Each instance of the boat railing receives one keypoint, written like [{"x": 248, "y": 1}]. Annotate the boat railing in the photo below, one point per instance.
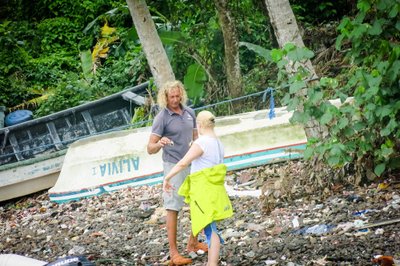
[{"x": 56, "y": 131}]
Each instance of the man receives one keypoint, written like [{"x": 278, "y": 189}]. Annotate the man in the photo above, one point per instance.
[{"x": 174, "y": 128}]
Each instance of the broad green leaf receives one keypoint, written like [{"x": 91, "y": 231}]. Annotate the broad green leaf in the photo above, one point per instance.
[
  {"x": 344, "y": 23},
  {"x": 370, "y": 107},
  {"x": 286, "y": 99},
  {"x": 370, "y": 93},
  {"x": 376, "y": 28},
  {"x": 394, "y": 71},
  {"x": 335, "y": 150},
  {"x": 86, "y": 62},
  {"x": 132, "y": 34},
  {"x": 194, "y": 81},
  {"x": 385, "y": 151},
  {"x": 90, "y": 25},
  {"x": 321, "y": 149},
  {"x": 93, "y": 22},
  {"x": 389, "y": 143},
  {"x": 296, "y": 86},
  {"x": 289, "y": 47},
  {"x": 383, "y": 111},
  {"x": 293, "y": 104},
  {"x": 170, "y": 51},
  {"x": 394, "y": 11},
  {"x": 326, "y": 118},
  {"x": 276, "y": 55},
  {"x": 299, "y": 117},
  {"x": 316, "y": 96},
  {"x": 383, "y": 66},
  {"x": 338, "y": 43},
  {"x": 258, "y": 50},
  {"x": 307, "y": 53},
  {"x": 379, "y": 169},
  {"x": 299, "y": 54},
  {"x": 329, "y": 82},
  {"x": 348, "y": 132},
  {"x": 359, "y": 31},
  {"x": 358, "y": 19},
  {"x": 308, "y": 153},
  {"x": 363, "y": 5},
  {"x": 383, "y": 4},
  {"x": 282, "y": 63},
  {"x": 343, "y": 122},
  {"x": 333, "y": 160},
  {"x": 389, "y": 128},
  {"x": 171, "y": 37}
]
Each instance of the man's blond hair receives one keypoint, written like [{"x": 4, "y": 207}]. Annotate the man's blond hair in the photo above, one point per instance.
[{"x": 162, "y": 96}]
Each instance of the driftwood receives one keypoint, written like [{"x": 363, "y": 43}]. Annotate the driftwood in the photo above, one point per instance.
[{"x": 392, "y": 221}]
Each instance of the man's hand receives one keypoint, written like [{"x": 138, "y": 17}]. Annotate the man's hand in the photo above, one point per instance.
[
  {"x": 156, "y": 143},
  {"x": 165, "y": 141}
]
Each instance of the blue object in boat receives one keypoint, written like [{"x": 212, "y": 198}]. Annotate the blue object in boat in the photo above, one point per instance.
[{"x": 17, "y": 117}]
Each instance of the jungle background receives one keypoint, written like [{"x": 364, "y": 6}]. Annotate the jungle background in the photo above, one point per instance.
[{"x": 62, "y": 53}]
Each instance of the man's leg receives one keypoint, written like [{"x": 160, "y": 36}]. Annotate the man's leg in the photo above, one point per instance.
[
  {"x": 172, "y": 218},
  {"x": 172, "y": 225},
  {"x": 172, "y": 203}
]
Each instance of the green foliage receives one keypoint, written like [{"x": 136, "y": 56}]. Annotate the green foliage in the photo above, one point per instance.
[
  {"x": 363, "y": 131},
  {"x": 311, "y": 11},
  {"x": 141, "y": 117},
  {"x": 47, "y": 55},
  {"x": 86, "y": 62},
  {"x": 67, "y": 94},
  {"x": 57, "y": 34},
  {"x": 47, "y": 44},
  {"x": 194, "y": 81},
  {"x": 191, "y": 33},
  {"x": 265, "y": 53}
]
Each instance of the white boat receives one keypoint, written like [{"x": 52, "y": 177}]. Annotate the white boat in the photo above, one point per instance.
[
  {"x": 117, "y": 160},
  {"x": 32, "y": 152},
  {"x": 30, "y": 176}
]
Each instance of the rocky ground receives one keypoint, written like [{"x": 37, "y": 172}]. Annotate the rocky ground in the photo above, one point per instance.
[{"x": 347, "y": 226}]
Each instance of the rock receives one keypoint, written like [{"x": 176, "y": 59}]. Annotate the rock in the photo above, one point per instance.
[{"x": 128, "y": 226}]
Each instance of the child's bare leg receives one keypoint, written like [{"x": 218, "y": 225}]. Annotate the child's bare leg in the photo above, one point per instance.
[{"x": 213, "y": 251}]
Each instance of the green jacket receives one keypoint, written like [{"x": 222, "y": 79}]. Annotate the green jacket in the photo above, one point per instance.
[{"x": 205, "y": 193}]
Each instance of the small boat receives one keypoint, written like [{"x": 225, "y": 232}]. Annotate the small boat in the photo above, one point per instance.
[
  {"x": 32, "y": 153},
  {"x": 118, "y": 160}
]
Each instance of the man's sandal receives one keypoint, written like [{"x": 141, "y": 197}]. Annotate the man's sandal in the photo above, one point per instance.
[
  {"x": 199, "y": 246},
  {"x": 178, "y": 259}
]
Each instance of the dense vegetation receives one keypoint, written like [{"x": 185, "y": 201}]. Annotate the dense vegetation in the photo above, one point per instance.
[{"x": 58, "y": 54}]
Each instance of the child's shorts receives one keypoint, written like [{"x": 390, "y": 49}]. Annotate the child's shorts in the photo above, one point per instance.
[{"x": 212, "y": 227}]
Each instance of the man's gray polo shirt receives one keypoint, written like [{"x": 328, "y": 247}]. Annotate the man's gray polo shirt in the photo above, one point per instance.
[{"x": 178, "y": 128}]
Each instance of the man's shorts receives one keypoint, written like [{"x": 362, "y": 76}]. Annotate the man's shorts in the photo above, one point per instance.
[{"x": 173, "y": 201}]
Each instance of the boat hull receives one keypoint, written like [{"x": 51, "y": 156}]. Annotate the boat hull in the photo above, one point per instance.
[
  {"x": 29, "y": 177},
  {"x": 32, "y": 152},
  {"x": 118, "y": 160}
]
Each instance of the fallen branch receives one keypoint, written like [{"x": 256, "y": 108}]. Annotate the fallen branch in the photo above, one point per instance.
[{"x": 392, "y": 221}]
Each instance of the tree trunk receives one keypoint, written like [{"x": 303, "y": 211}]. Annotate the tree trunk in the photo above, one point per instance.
[
  {"x": 151, "y": 44},
  {"x": 231, "y": 44},
  {"x": 287, "y": 31}
]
